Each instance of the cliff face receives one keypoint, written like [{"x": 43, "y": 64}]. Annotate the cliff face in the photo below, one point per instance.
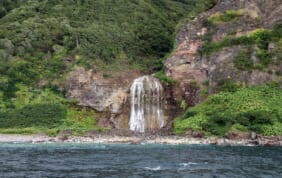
[
  {"x": 199, "y": 72},
  {"x": 108, "y": 95}
]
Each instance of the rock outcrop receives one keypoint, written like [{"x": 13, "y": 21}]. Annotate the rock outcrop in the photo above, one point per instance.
[
  {"x": 198, "y": 75},
  {"x": 108, "y": 95}
]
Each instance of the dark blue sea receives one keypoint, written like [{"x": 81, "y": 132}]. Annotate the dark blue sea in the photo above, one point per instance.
[{"x": 122, "y": 160}]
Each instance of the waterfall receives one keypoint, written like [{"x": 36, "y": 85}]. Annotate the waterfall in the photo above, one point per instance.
[{"x": 146, "y": 105}]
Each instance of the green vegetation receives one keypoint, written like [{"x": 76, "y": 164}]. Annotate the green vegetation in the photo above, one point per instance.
[
  {"x": 256, "y": 109},
  {"x": 45, "y": 115},
  {"x": 37, "y": 36},
  {"x": 228, "y": 85},
  {"x": 94, "y": 29},
  {"x": 183, "y": 105},
  {"x": 8, "y": 5},
  {"x": 41, "y": 41},
  {"x": 80, "y": 120},
  {"x": 49, "y": 119},
  {"x": 243, "y": 60},
  {"x": 205, "y": 90},
  {"x": 227, "y": 16},
  {"x": 163, "y": 78},
  {"x": 260, "y": 38},
  {"x": 36, "y": 111}
]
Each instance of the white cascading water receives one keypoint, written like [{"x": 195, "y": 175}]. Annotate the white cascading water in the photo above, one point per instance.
[{"x": 146, "y": 105}]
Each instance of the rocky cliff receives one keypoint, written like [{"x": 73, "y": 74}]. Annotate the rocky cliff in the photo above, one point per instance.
[
  {"x": 227, "y": 29},
  {"x": 201, "y": 73},
  {"x": 108, "y": 95}
]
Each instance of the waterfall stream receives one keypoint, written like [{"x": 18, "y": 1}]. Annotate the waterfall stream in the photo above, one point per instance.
[{"x": 146, "y": 105}]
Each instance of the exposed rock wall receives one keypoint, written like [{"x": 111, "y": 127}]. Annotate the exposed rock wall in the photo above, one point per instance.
[
  {"x": 107, "y": 95},
  {"x": 191, "y": 70}
]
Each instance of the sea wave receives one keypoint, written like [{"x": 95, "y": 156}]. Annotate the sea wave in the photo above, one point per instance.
[
  {"x": 153, "y": 168},
  {"x": 187, "y": 164}
]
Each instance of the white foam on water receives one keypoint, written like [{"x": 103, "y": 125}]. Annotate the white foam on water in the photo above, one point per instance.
[
  {"x": 153, "y": 168},
  {"x": 187, "y": 164}
]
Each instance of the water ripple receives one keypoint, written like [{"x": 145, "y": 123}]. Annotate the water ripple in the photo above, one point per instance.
[{"x": 94, "y": 160}]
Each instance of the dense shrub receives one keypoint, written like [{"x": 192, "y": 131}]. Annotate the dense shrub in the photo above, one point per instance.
[
  {"x": 100, "y": 29},
  {"x": 250, "y": 109},
  {"x": 8, "y": 5},
  {"x": 36, "y": 36},
  {"x": 227, "y": 85},
  {"x": 41, "y": 115}
]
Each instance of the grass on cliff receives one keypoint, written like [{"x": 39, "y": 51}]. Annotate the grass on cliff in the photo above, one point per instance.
[
  {"x": 163, "y": 78},
  {"x": 257, "y": 42},
  {"x": 226, "y": 16},
  {"x": 257, "y": 109}
]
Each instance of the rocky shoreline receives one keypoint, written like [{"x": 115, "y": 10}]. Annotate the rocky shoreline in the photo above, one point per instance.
[{"x": 105, "y": 139}]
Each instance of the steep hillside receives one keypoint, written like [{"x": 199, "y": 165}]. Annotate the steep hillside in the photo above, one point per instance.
[
  {"x": 42, "y": 41},
  {"x": 231, "y": 48},
  {"x": 69, "y": 64}
]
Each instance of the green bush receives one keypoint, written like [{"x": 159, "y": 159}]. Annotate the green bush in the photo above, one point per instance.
[
  {"x": 8, "y": 5},
  {"x": 80, "y": 120},
  {"x": 249, "y": 109},
  {"x": 41, "y": 115},
  {"x": 226, "y": 16},
  {"x": 277, "y": 32},
  {"x": 163, "y": 78},
  {"x": 243, "y": 60},
  {"x": 194, "y": 123},
  {"x": 227, "y": 85},
  {"x": 265, "y": 57}
]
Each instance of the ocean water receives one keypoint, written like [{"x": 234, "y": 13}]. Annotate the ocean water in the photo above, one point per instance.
[{"x": 123, "y": 160}]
